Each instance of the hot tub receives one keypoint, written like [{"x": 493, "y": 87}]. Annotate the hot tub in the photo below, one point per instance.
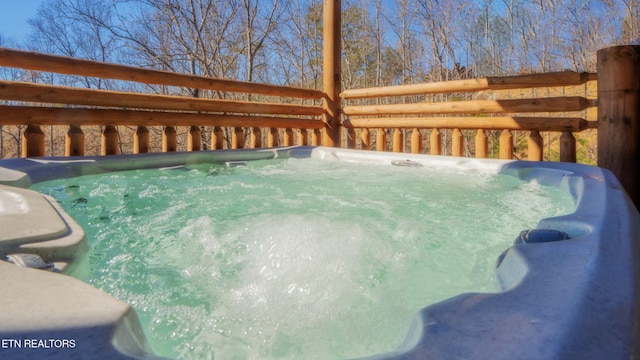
[{"x": 566, "y": 289}]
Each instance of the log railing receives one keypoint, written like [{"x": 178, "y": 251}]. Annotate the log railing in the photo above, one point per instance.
[
  {"x": 479, "y": 115},
  {"x": 73, "y": 66},
  {"x": 77, "y": 107},
  {"x": 262, "y": 123}
]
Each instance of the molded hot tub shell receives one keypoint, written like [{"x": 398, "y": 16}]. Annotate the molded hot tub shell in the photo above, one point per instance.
[{"x": 566, "y": 299}]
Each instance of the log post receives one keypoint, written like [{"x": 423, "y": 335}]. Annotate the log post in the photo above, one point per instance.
[
  {"x": 398, "y": 140},
  {"x": 316, "y": 137},
  {"x": 287, "y": 137},
  {"x": 237, "y": 138},
  {"x": 217, "y": 138},
  {"x": 256, "y": 138},
  {"x": 169, "y": 139},
  {"x": 535, "y": 146},
  {"x": 109, "y": 141},
  {"x": 381, "y": 140},
  {"x": 351, "y": 138},
  {"x": 331, "y": 71},
  {"x": 74, "y": 141},
  {"x": 416, "y": 141},
  {"x": 506, "y": 145},
  {"x": 365, "y": 138},
  {"x": 457, "y": 143},
  {"x": 194, "y": 139},
  {"x": 435, "y": 142},
  {"x": 303, "y": 137},
  {"x": 32, "y": 141},
  {"x": 619, "y": 115},
  {"x": 482, "y": 145},
  {"x": 141, "y": 140},
  {"x": 272, "y": 138},
  {"x": 567, "y": 147}
]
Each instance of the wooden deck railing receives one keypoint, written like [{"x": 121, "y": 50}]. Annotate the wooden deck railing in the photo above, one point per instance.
[
  {"x": 479, "y": 115},
  {"x": 77, "y": 107}
]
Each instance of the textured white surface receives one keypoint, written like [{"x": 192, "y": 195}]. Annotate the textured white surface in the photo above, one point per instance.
[{"x": 27, "y": 217}]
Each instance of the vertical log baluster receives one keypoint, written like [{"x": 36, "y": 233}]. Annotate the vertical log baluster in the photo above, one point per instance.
[
  {"x": 32, "y": 141},
  {"x": 398, "y": 140},
  {"x": 169, "y": 139},
  {"x": 194, "y": 139},
  {"x": 567, "y": 147},
  {"x": 535, "y": 146},
  {"x": 256, "y": 138},
  {"x": 365, "y": 139},
  {"x": 237, "y": 138},
  {"x": 217, "y": 138},
  {"x": 351, "y": 138},
  {"x": 109, "y": 141},
  {"x": 506, "y": 145},
  {"x": 381, "y": 140},
  {"x": 416, "y": 141},
  {"x": 141, "y": 140},
  {"x": 457, "y": 143},
  {"x": 303, "y": 137},
  {"x": 482, "y": 145},
  {"x": 435, "y": 142},
  {"x": 287, "y": 138},
  {"x": 74, "y": 141},
  {"x": 316, "y": 137},
  {"x": 272, "y": 138}
]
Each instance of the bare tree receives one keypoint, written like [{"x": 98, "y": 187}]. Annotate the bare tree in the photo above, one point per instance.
[
  {"x": 298, "y": 42},
  {"x": 259, "y": 22},
  {"x": 631, "y": 22}
]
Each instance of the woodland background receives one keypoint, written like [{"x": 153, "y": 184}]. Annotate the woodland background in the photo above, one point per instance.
[{"x": 280, "y": 42}]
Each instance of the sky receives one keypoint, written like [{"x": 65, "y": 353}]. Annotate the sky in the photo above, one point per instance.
[{"x": 13, "y": 18}]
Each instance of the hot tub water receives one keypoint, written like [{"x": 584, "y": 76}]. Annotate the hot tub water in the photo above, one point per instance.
[{"x": 297, "y": 258}]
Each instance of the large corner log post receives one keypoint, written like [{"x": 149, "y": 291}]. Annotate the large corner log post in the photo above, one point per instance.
[
  {"x": 331, "y": 72},
  {"x": 619, "y": 115}
]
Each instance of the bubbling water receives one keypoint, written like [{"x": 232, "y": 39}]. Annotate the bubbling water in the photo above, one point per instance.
[{"x": 298, "y": 258}]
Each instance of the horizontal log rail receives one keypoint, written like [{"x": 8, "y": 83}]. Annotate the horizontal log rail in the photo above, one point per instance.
[
  {"x": 86, "y": 117},
  {"x": 19, "y": 91},
  {"x": 472, "y": 123},
  {"x": 73, "y": 66},
  {"x": 565, "y": 78},
  {"x": 553, "y": 104}
]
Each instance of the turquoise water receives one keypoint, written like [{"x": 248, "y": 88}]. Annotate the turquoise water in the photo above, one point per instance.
[{"x": 296, "y": 259}]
